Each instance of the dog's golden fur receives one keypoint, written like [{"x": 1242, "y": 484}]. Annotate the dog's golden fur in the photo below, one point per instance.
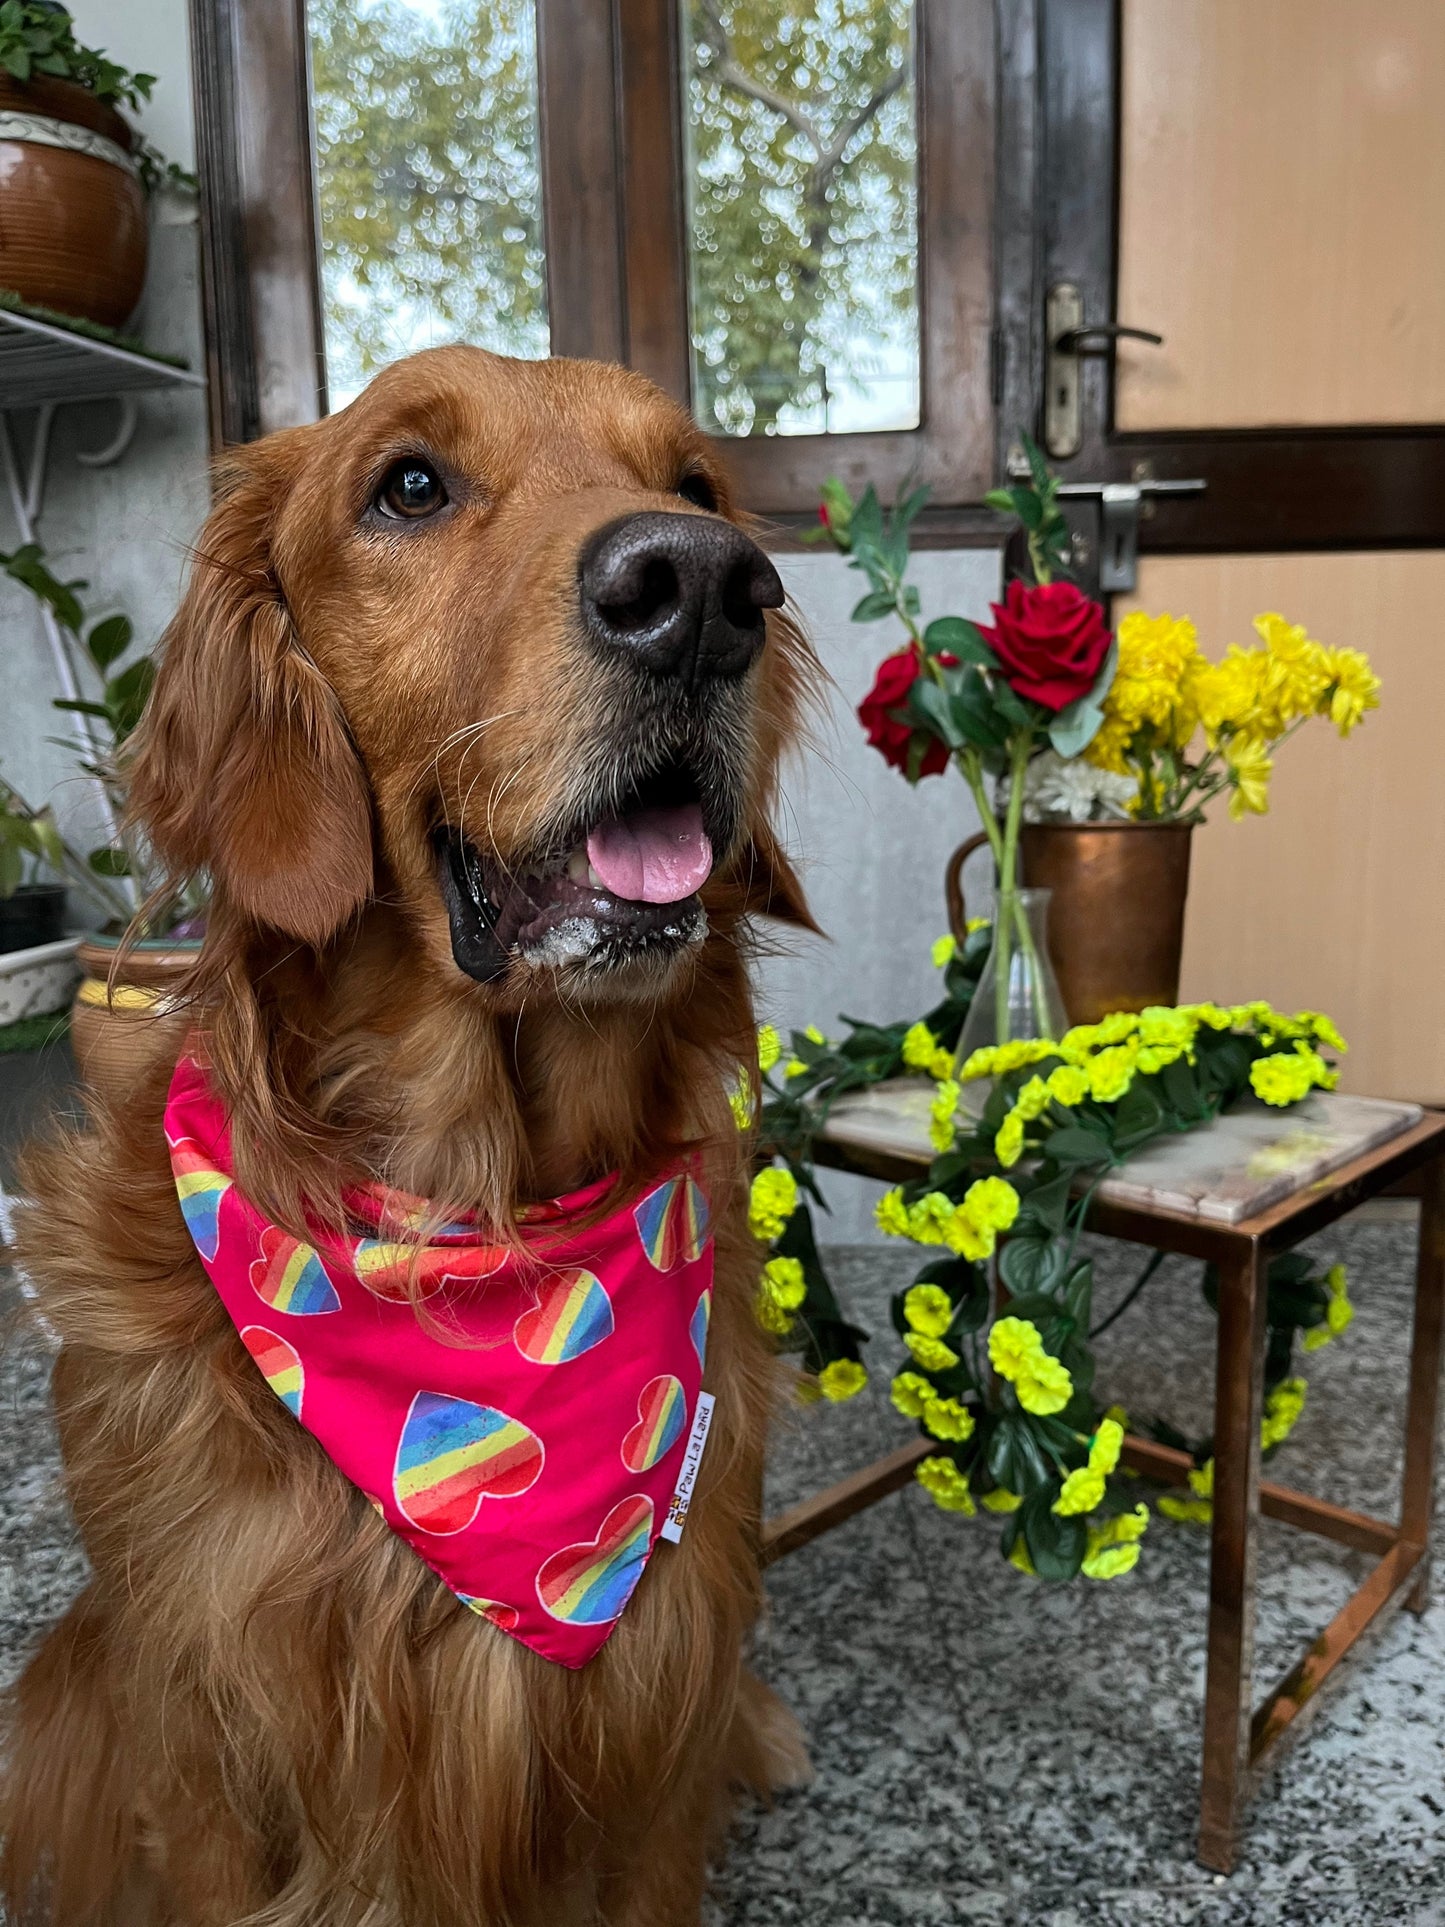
[{"x": 263, "y": 1707}]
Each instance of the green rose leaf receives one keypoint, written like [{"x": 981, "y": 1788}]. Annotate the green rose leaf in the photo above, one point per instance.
[
  {"x": 959, "y": 638},
  {"x": 1076, "y": 725}
]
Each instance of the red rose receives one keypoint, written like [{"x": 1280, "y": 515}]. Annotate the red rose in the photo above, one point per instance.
[
  {"x": 1050, "y": 641},
  {"x": 896, "y": 676}
]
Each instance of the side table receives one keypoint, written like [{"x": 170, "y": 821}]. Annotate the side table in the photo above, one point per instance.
[{"x": 1236, "y": 1193}]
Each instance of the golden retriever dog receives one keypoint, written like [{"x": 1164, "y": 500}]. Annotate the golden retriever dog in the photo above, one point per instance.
[{"x": 436, "y": 651}]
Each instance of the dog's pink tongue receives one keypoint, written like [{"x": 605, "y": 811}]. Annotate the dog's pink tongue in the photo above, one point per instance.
[{"x": 652, "y": 856}]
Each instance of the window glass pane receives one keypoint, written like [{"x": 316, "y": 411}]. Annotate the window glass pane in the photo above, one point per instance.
[
  {"x": 427, "y": 178},
  {"x": 802, "y": 197}
]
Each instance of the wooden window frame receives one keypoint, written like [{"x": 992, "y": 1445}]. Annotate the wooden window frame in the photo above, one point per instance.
[
  {"x": 1352, "y": 487},
  {"x": 611, "y": 137}
]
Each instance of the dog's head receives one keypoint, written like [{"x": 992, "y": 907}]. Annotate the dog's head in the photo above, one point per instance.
[{"x": 490, "y": 644}]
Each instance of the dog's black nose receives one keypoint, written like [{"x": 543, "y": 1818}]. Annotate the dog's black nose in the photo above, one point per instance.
[{"x": 683, "y": 595}]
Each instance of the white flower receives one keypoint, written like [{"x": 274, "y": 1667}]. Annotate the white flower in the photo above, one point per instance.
[{"x": 1069, "y": 790}]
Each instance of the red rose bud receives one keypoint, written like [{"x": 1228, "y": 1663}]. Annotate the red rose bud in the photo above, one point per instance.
[
  {"x": 1050, "y": 641},
  {"x": 896, "y": 676}
]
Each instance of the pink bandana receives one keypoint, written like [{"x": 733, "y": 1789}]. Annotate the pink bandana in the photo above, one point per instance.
[{"x": 530, "y": 1465}]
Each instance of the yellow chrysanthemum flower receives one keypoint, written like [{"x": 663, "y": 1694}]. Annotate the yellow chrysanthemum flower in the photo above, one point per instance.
[
  {"x": 946, "y": 1419},
  {"x": 771, "y": 1202},
  {"x": 1282, "y": 1079},
  {"x": 1353, "y": 687},
  {"x": 945, "y": 1485},
  {"x": 1112, "y": 1072},
  {"x": 842, "y": 1378},
  {"x": 770, "y": 1047},
  {"x": 1009, "y": 1143},
  {"x": 1068, "y": 1084},
  {"x": 993, "y": 1202},
  {"x": 928, "y": 1308},
  {"x": 1249, "y": 770},
  {"x": 910, "y": 1394}
]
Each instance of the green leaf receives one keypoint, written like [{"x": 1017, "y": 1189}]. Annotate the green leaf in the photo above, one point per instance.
[
  {"x": 933, "y": 709},
  {"x": 1014, "y": 1457},
  {"x": 1044, "y": 1207},
  {"x": 1076, "y": 725},
  {"x": 109, "y": 640},
  {"x": 1027, "y": 507},
  {"x": 1009, "y": 703},
  {"x": 960, "y": 638},
  {"x": 109, "y": 862},
  {"x": 1056, "y": 1546},
  {"x": 1074, "y": 1145},
  {"x": 12, "y": 866},
  {"x": 874, "y": 606},
  {"x": 1137, "y": 1112},
  {"x": 126, "y": 695},
  {"x": 1000, "y": 499},
  {"x": 1028, "y": 1265},
  {"x": 80, "y": 707}
]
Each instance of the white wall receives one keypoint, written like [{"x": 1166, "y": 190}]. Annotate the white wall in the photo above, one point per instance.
[
  {"x": 872, "y": 850},
  {"x": 124, "y": 528}
]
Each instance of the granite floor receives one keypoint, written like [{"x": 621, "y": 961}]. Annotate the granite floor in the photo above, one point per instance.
[{"x": 991, "y": 1750}]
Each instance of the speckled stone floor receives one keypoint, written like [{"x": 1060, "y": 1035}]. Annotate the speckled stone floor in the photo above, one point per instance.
[{"x": 989, "y": 1750}]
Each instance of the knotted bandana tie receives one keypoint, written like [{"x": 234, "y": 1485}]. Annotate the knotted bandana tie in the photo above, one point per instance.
[{"x": 531, "y": 1462}]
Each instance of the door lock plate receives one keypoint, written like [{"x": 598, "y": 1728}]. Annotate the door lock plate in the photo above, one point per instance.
[{"x": 1063, "y": 373}]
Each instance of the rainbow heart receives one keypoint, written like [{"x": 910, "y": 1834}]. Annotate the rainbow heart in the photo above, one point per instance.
[
  {"x": 572, "y": 1314},
  {"x": 452, "y": 1454},
  {"x": 387, "y": 1268},
  {"x": 280, "y": 1365},
  {"x": 661, "y": 1413},
  {"x": 672, "y": 1223},
  {"x": 589, "y": 1584},
  {"x": 698, "y": 1324},
  {"x": 200, "y": 1188},
  {"x": 289, "y": 1276},
  {"x": 505, "y": 1617}
]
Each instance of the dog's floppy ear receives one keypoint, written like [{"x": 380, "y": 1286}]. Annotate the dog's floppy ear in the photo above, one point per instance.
[
  {"x": 770, "y": 883},
  {"x": 243, "y": 763}
]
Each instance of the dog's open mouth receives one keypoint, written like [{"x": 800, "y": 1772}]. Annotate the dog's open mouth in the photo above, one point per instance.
[{"x": 623, "y": 886}]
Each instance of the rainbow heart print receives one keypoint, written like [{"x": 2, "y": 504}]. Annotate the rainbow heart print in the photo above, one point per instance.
[
  {"x": 200, "y": 1188},
  {"x": 672, "y": 1223},
  {"x": 452, "y": 1454},
  {"x": 661, "y": 1415},
  {"x": 280, "y": 1364},
  {"x": 388, "y": 1268},
  {"x": 697, "y": 1328},
  {"x": 290, "y": 1277},
  {"x": 572, "y": 1314},
  {"x": 589, "y": 1584}
]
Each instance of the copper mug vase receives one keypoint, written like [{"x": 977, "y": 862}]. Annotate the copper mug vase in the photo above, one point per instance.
[{"x": 1116, "y": 919}]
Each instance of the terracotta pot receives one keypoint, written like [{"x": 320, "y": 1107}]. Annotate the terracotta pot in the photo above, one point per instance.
[
  {"x": 118, "y": 1028},
  {"x": 1117, "y": 917},
  {"x": 72, "y": 209}
]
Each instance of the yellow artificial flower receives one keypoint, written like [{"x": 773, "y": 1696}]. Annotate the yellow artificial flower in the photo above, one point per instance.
[
  {"x": 771, "y": 1315},
  {"x": 771, "y": 1202},
  {"x": 941, "y": 1114},
  {"x": 1068, "y": 1084},
  {"x": 1106, "y": 1445},
  {"x": 1113, "y": 1547},
  {"x": 814, "y": 1035},
  {"x": 1282, "y": 1079},
  {"x": 1009, "y": 1143},
  {"x": 910, "y": 1394},
  {"x": 945, "y": 1418},
  {"x": 1082, "y": 1490},
  {"x": 1019, "y": 1557},
  {"x": 890, "y": 1214},
  {"x": 1013, "y": 1343},
  {"x": 919, "y": 1045},
  {"x": 770, "y": 1047},
  {"x": 1249, "y": 770},
  {"x": 740, "y": 1103},
  {"x": 1185, "y": 1512},
  {"x": 1015, "y": 1350},
  {"x": 993, "y": 1202},
  {"x": 842, "y": 1378},
  {"x": 1339, "y": 1313},
  {"x": 928, "y": 1309},
  {"x": 1045, "y": 1388},
  {"x": 1281, "y": 1412},
  {"x": 1033, "y": 1100},
  {"x": 1002, "y": 1500},
  {"x": 1324, "y": 1029},
  {"x": 795, "y": 1067},
  {"x": 785, "y": 1282},
  {"x": 941, "y": 1065},
  {"x": 1112, "y": 1072},
  {"x": 944, "y": 951},
  {"x": 931, "y": 1353},
  {"x": 1110, "y": 1562},
  {"x": 945, "y": 1485}
]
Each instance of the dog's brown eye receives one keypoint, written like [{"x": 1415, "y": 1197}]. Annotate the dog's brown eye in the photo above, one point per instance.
[
  {"x": 698, "y": 490},
  {"x": 412, "y": 488}
]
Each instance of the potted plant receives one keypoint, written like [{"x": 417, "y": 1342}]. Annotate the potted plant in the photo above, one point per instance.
[
  {"x": 127, "y": 993},
  {"x": 76, "y": 174},
  {"x": 38, "y": 965}
]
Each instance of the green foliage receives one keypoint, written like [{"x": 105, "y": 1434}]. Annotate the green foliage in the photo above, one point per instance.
[
  {"x": 804, "y": 218},
  {"x": 27, "y": 840},
  {"x": 1035, "y": 503},
  {"x": 92, "y": 330},
  {"x": 427, "y": 171}
]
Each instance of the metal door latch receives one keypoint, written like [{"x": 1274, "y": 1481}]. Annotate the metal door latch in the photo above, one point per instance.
[{"x": 1119, "y": 504}]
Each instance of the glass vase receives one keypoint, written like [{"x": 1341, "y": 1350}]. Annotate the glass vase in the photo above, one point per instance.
[{"x": 1018, "y": 993}]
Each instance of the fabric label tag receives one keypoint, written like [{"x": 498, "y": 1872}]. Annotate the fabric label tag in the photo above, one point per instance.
[{"x": 676, "y": 1518}]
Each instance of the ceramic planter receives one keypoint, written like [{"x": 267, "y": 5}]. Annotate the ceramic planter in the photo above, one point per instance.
[{"x": 127, "y": 1012}]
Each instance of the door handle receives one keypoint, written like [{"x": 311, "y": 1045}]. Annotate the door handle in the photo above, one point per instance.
[{"x": 1068, "y": 336}]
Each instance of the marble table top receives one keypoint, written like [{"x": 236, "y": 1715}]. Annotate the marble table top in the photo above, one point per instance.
[{"x": 1248, "y": 1159}]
